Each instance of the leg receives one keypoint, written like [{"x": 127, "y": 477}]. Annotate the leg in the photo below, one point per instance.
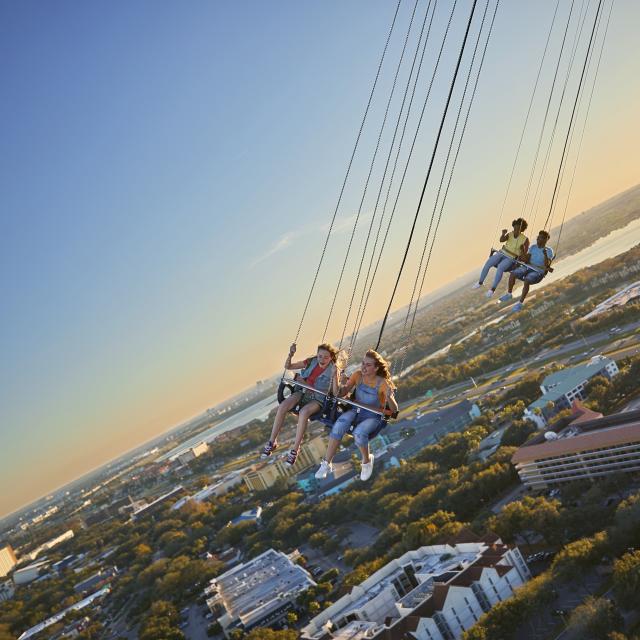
[
  {"x": 338, "y": 430},
  {"x": 303, "y": 418},
  {"x": 525, "y": 291},
  {"x": 512, "y": 282},
  {"x": 361, "y": 435},
  {"x": 501, "y": 267},
  {"x": 491, "y": 262},
  {"x": 284, "y": 408}
]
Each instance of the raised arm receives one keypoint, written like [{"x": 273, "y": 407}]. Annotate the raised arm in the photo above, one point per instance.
[
  {"x": 505, "y": 236},
  {"x": 292, "y": 366}
]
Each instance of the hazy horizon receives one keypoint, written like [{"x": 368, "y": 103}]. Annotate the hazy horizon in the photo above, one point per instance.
[{"x": 170, "y": 189}]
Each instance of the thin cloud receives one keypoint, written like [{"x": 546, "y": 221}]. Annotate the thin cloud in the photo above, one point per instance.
[
  {"x": 341, "y": 225},
  {"x": 282, "y": 243}
]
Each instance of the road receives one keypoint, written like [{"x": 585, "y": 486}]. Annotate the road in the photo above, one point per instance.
[{"x": 620, "y": 345}]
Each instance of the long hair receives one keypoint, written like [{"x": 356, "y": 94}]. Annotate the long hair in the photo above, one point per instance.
[
  {"x": 338, "y": 356},
  {"x": 382, "y": 366}
]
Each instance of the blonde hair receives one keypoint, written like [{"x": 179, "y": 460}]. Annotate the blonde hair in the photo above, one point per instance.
[{"x": 382, "y": 366}]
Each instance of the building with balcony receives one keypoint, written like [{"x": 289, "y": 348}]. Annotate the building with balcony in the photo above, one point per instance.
[
  {"x": 435, "y": 593},
  {"x": 588, "y": 448},
  {"x": 258, "y": 593}
]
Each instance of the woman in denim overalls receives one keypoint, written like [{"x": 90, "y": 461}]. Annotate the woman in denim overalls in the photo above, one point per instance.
[
  {"x": 373, "y": 388},
  {"x": 321, "y": 372}
]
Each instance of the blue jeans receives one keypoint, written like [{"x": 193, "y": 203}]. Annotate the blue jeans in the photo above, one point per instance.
[
  {"x": 532, "y": 276},
  {"x": 365, "y": 425},
  {"x": 501, "y": 262}
]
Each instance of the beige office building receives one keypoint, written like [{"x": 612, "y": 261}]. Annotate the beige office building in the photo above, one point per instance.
[
  {"x": 585, "y": 449},
  {"x": 8, "y": 560},
  {"x": 265, "y": 476}
]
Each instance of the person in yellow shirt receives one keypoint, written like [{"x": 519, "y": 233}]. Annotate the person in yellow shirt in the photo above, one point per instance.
[{"x": 515, "y": 247}]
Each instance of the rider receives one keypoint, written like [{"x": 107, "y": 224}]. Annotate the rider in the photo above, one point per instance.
[
  {"x": 538, "y": 264},
  {"x": 375, "y": 389},
  {"x": 515, "y": 247},
  {"x": 319, "y": 372}
]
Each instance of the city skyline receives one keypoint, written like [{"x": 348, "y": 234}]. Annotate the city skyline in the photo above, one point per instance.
[{"x": 171, "y": 174}]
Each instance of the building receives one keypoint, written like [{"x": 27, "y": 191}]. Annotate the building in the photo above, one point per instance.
[
  {"x": 6, "y": 590},
  {"x": 31, "y": 572},
  {"x": 253, "y": 515},
  {"x": 561, "y": 388},
  {"x": 157, "y": 504},
  {"x": 217, "y": 489},
  {"x": 257, "y": 593},
  {"x": 50, "y": 544},
  {"x": 8, "y": 560},
  {"x": 630, "y": 292},
  {"x": 435, "y": 593},
  {"x": 193, "y": 452},
  {"x": 95, "y": 581},
  {"x": 587, "y": 448},
  {"x": 266, "y": 475}
]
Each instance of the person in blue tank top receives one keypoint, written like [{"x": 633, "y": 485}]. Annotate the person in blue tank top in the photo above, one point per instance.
[
  {"x": 374, "y": 388},
  {"x": 538, "y": 264},
  {"x": 319, "y": 371}
]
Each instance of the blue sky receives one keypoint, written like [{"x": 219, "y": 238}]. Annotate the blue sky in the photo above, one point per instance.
[{"x": 167, "y": 177}]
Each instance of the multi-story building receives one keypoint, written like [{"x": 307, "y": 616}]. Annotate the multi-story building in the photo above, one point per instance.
[
  {"x": 585, "y": 449},
  {"x": 8, "y": 560},
  {"x": 431, "y": 593},
  {"x": 560, "y": 389},
  {"x": 258, "y": 593},
  {"x": 266, "y": 475},
  {"x": 158, "y": 503}
]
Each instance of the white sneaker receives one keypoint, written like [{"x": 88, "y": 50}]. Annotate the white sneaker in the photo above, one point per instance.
[
  {"x": 325, "y": 469},
  {"x": 367, "y": 469},
  {"x": 489, "y": 293},
  {"x": 477, "y": 285}
]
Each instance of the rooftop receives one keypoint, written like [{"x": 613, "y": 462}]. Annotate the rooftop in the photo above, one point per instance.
[
  {"x": 607, "y": 431},
  {"x": 565, "y": 380},
  {"x": 251, "y": 590}
]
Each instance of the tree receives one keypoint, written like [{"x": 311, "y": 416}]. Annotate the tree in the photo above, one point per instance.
[
  {"x": 595, "y": 618},
  {"x": 626, "y": 580}
]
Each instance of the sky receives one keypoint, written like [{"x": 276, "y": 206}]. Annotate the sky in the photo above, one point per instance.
[{"x": 169, "y": 172}]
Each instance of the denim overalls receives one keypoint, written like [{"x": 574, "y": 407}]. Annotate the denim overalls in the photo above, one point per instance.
[
  {"x": 322, "y": 382},
  {"x": 366, "y": 422}
]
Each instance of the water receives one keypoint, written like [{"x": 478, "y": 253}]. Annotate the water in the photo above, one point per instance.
[
  {"x": 608, "y": 246},
  {"x": 257, "y": 411},
  {"x": 615, "y": 243}
]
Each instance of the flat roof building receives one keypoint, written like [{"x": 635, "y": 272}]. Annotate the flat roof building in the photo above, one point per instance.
[
  {"x": 8, "y": 560},
  {"x": 435, "y": 592},
  {"x": 257, "y": 593},
  {"x": 585, "y": 449},
  {"x": 158, "y": 503}
]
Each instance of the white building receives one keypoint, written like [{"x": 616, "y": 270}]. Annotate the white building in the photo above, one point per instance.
[
  {"x": 561, "y": 388},
  {"x": 8, "y": 560},
  {"x": 219, "y": 488},
  {"x": 257, "y": 593},
  {"x": 431, "y": 593},
  {"x": 50, "y": 544},
  {"x": 28, "y": 574}
]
